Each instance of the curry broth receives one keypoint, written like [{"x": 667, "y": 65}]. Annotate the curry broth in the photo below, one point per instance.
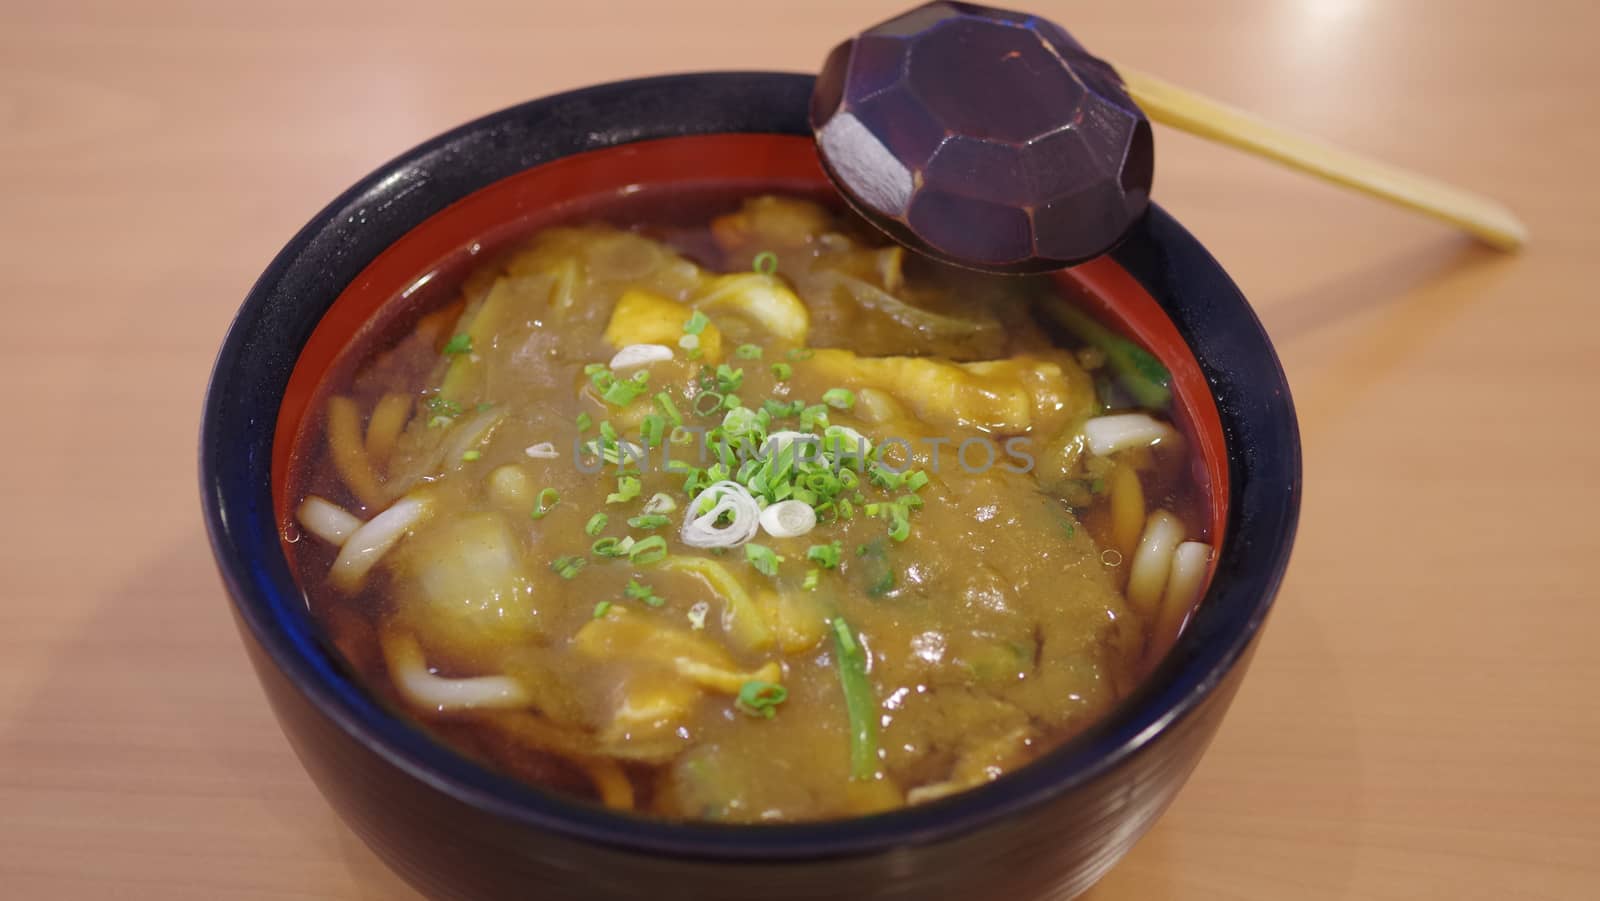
[{"x": 983, "y": 611}]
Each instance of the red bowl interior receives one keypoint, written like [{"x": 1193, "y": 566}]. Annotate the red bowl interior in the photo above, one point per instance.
[{"x": 555, "y": 191}]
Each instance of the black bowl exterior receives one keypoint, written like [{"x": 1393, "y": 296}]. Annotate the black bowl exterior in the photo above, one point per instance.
[
  {"x": 450, "y": 849},
  {"x": 456, "y": 830}
]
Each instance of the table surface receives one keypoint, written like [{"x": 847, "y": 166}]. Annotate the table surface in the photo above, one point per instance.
[{"x": 1420, "y": 721}]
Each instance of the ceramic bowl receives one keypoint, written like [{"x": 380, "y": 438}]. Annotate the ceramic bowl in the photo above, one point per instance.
[{"x": 458, "y": 830}]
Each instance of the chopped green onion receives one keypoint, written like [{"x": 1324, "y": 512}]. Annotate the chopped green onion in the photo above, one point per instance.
[
  {"x": 545, "y": 502},
  {"x": 613, "y": 451},
  {"x": 628, "y": 488},
  {"x": 439, "y": 422},
  {"x": 460, "y": 344},
  {"x": 766, "y": 263},
  {"x": 650, "y": 550},
  {"x": 839, "y": 398},
  {"x": 810, "y": 582},
  {"x": 860, "y": 703},
  {"x": 915, "y": 480},
  {"x": 747, "y": 352},
  {"x": 742, "y": 422},
  {"x": 760, "y": 699},
  {"x": 778, "y": 409},
  {"x": 641, "y": 592},
  {"x": 702, "y": 408},
  {"x": 567, "y": 567},
  {"x": 884, "y": 477},
  {"x": 879, "y": 575},
  {"x": 813, "y": 417},
  {"x": 470, "y": 456},
  {"x": 664, "y": 401},
  {"x": 622, "y": 393},
  {"x": 825, "y": 555},
  {"x": 900, "y": 522},
  {"x": 584, "y": 421},
  {"x": 612, "y": 547},
  {"x": 596, "y": 524},
  {"x": 652, "y": 428},
  {"x": 731, "y": 401},
  {"x": 601, "y": 608},
  {"x": 696, "y": 323},
  {"x": 648, "y": 521},
  {"x": 729, "y": 379},
  {"x": 762, "y": 558},
  {"x": 883, "y": 584},
  {"x": 782, "y": 371}
]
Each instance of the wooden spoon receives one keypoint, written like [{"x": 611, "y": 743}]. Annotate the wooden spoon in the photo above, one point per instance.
[
  {"x": 992, "y": 139},
  {"x": 1475, "y": 214}
]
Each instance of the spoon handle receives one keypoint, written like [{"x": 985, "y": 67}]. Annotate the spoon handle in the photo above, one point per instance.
[{"x": 1169, "y": 104}]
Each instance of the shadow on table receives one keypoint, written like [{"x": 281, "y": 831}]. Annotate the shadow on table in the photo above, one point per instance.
[
  {"x": 1400, "y": 283},
  {"x": 1408, "y": 298}
]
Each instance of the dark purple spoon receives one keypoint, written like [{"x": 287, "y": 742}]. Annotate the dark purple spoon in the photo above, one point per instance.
[{"x": 983, "y": 137}]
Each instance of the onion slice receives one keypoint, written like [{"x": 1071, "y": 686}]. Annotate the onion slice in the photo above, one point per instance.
[
  {"x": 786, "y": 519},
  {"x": 1122, "y": 431},
  {"x": 660, "y": 502},
  {"x": 854, "y": 444},
  {"x": 640, "y": 355},
  {"x": 777, "y": 441},
  {"x": 544, "y": 450},
  {"x": 701, "y": 529},
  {"x": 409, "y": 670},
  {"x": 327, "y": 520},
  {"x": 367, "y": 545}
]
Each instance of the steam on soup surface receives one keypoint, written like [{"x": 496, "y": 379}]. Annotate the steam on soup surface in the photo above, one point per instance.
[{"x": 754, "y": 520}]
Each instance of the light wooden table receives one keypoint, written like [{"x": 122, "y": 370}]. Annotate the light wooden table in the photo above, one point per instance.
[{"x": 1421, "y": 721}]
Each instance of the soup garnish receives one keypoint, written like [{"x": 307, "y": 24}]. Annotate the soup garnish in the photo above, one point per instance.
[{"x": 750, "y": 520}]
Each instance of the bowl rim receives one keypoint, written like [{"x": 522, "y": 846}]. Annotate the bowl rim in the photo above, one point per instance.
[{"x": 263, "y": 342}]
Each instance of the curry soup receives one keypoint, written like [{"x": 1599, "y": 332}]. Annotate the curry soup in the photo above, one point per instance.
[{"x": 747, "y": 518}]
